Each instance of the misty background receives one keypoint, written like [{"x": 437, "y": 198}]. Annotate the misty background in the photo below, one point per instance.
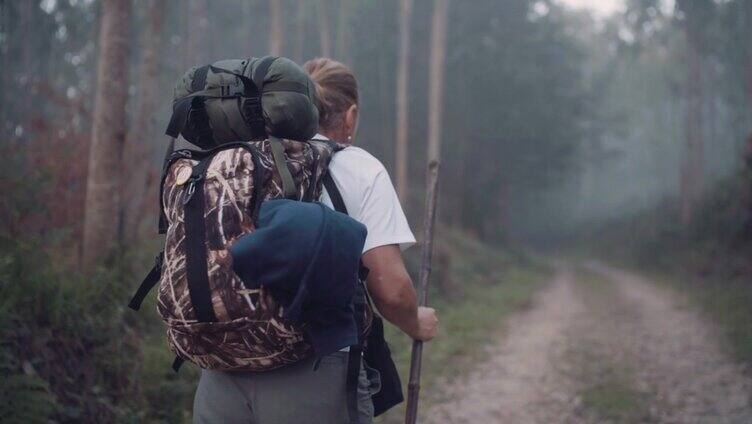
[{"x": 613, "y": 129}]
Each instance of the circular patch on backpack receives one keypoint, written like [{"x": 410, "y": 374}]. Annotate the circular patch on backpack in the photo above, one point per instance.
[{"x": 183, "y": 174}]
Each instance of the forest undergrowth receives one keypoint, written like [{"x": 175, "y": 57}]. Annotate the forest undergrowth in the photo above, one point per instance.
[{"x": 73, "y": 352}]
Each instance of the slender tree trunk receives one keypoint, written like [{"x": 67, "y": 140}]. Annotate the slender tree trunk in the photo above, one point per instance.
[
  {"x": 276, "y": 32},
  {"x": 27, "y": 69},
  {"x": 324, "y": 31},
  {"x": 138, "y": 148},
  {"x": 436, "y": 77},
  {"x": 693, "y": 169},
  {"x": 5, "y": 64},
  {"x": 385, "y": 76},
  {"x": 343, "y": 33},
  {"x": 402, "y": 106},
  {"x": 108, "y": 133},
  {"x": 247, "y": 44},
  {"x": 300, "y": 29},
  {"x": 197, "y": 32},
  {"x": 504, "y": 204}
]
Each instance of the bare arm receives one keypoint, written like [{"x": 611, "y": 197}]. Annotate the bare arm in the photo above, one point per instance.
[{"x": 392, "y": 291}]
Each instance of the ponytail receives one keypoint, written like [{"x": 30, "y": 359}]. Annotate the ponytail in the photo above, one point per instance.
[{"x": 336, "y": 90}]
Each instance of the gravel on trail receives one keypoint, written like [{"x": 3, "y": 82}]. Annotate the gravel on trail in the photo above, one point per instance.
[{"x": 535, "y": 372}]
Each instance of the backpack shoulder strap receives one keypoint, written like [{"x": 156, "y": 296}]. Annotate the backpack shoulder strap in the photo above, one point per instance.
[
  {"x": 356, "y": 352},
  {"x": 334, "y": 194}
]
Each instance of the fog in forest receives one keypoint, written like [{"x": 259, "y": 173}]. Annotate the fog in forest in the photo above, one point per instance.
[{"x": 616, "y": 131}]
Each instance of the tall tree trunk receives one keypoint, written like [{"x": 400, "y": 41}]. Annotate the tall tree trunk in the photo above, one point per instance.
[
  {"x": 504, "y": 205},
  {"x": 27, "y": 72},
  {"x": 198, "y": 32},
  {"x": 436, "y": 77},
  {"x": 324, "y": 31},
  {"x": 300, "y": 32},
  {"x": 108, "y": 133},
  {"x": 403, "y": 73},
  {"x": 5, "y": 64},
  {"x": 276, "y": 32},
  {"x": 343, "y": 31},
  {"x": 138, "y": 149},
  {"x": 248, "y": 44},
  {"x": 693, "y": 168}
]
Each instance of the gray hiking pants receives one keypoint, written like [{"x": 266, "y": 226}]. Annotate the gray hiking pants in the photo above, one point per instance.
[{"x": 293, "y": 394}]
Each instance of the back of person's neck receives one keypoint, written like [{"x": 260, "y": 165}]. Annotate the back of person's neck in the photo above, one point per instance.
[{"x": 334, "y": 136}]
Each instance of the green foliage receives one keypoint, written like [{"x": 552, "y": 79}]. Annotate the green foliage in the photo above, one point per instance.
[
  {"x": 729, "y": 302},
  {"x": 613, "y": 399},
  {"x": 25, "y": 400},
  {"x": 69, "y": 338}
]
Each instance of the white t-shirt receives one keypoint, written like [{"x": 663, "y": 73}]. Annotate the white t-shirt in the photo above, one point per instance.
[{"x": 370, "y": 197}]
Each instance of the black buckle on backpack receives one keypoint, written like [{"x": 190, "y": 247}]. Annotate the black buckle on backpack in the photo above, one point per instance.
[
  {"x": 229, "y": 90},
  {"x": 191, "y": 188},
  {"x": 253, "y": 114}
]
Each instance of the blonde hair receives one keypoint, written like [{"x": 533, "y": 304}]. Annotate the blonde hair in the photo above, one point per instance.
[{"x": 336, "y": 90}]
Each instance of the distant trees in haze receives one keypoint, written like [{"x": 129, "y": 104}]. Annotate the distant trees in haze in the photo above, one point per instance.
[
  {"x": 402, "y": 108},
  {"x": 544, "y": 119},
  {"x": 140, "y": 183},
  {"x": 530, "y": 107},
  {"x": 276, "y": 30},
  {"x": 436, "y": 78}
]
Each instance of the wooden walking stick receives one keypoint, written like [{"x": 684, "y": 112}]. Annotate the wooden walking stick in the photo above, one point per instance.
[{"x": 413, "y": 385}]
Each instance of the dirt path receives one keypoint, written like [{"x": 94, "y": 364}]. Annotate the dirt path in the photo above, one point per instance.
[{"x": 601, "y": 345}]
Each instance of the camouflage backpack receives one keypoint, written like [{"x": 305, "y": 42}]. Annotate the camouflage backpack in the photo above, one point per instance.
[{"x": 209, "y": 199}]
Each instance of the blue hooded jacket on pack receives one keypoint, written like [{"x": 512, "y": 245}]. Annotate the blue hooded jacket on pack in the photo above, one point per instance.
[{"x": 307, "y": 255}]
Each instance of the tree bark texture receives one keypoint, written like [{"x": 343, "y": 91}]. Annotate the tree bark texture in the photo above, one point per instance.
[{"x": 108, "y": 133}]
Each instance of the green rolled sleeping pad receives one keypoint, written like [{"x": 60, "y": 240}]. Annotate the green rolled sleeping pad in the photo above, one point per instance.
[{"x": 243, "y": 100}]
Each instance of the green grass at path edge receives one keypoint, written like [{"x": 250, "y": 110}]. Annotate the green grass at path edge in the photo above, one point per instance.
[
  {"x": 721, "y": 292},
  {"x": 607, "y": 390},
  {"x": 726, "y": 301}
]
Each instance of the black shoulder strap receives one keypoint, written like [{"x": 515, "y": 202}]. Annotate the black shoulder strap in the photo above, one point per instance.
[
  {"x": 356, "y": 352},
  {"x": 334, "y": 194}
]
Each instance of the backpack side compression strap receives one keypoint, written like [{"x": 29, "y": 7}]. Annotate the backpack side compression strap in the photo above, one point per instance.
[{"x": 151, "y": 279}]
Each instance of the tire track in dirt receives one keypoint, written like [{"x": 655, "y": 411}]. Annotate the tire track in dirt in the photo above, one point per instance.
[{"x": 675, "y": 361}]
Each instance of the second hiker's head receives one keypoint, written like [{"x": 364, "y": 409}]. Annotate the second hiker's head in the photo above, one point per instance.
[{"x": 337, "y": 98}]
